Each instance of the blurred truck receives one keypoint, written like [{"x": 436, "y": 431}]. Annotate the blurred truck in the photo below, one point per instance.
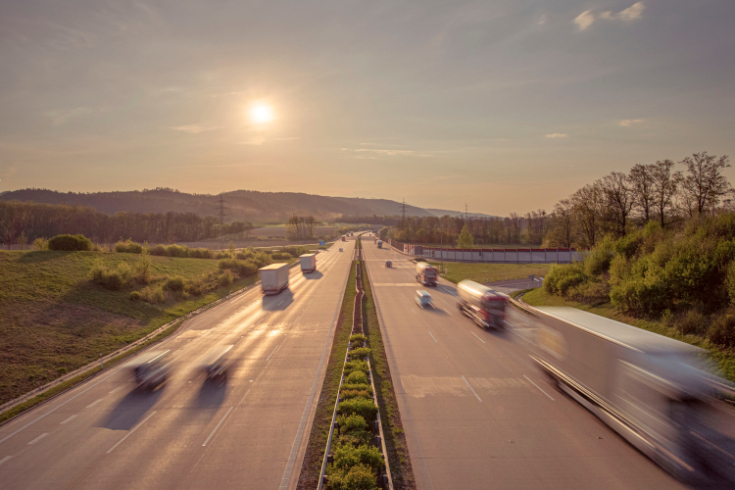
[
  {"x": 274, "y": 278},
  {"x": 645, "y": 386},
  {"x": 483, "y": 305},
  {"x": 426, "y": 274},
  {"x": 344, "y": 239},
  {"x": 150, "y": 369},
  {"x": 216, "y": 363},
  {"x": 380, "y": 243},
  {"x": 308, "y": 263}
]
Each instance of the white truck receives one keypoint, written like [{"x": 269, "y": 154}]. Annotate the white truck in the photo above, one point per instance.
[
  {"x": 380, "y": 243},
  {"x": 274, "y": 278},
  {"x": 308, "y": 263},
  {"x": 645, "y": 386}
]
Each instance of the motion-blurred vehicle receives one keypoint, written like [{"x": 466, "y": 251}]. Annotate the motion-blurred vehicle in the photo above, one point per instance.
[
  {"x": 647, "y": 387},
  {"x": 426, "y": 274},
  {"x": 150, "y": 369},
  {"x": 274, "y": 278},
  {"x": 216, "y": 364},
  {"x": 388, "y": 263},
  {"x": 308, "y": 263},
  {"x": 340, "y": 249},
  {"x": 380, "y": 243},
  {"x": 483, "y": 305},
  {"x": 344, "y": 239},
  {"x": 423, "y": 299}
]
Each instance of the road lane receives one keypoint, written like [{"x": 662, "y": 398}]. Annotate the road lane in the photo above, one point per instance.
[
  {"x": 477, "y": 412},
  {"x": 103, "y": 434}
]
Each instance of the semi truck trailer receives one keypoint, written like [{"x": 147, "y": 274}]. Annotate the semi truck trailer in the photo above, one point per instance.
[
  {"x": 647, "y": 387},
  {"x": 274, "y": 278},
  {"x": 483, "y": 305},
  {"x": 426, "y": 274},
  {"x": 308, "y": 263}
]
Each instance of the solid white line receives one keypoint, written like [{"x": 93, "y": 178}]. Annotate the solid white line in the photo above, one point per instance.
[
  {"x": 279, "y": 304},
  {"x": 55, "y": 409},
  {"x": 94, "y": 403},
  {"x": 68, "y": 420},
  {"x": 274, "y": 351},
  {"x": 478, "y": 338},
  {"x": 38, "y": 438},
  {"x": 471, "y": 388},
  {"x": 413, "y": 310},
  {"x": 537, "y": 386},
  {"x": 217, "y": 427},
  {"x": 130, "y": 433},
  {"x": 5, "y": 459},
  {"x": 432, "y": 336},
  {"x": 113, "y": 391}
]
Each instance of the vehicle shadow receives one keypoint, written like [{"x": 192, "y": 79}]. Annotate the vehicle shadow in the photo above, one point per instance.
[
  {"x": 131, "y": 409},
  {"x": 313, "y": 275},
  {"x": 279, "y": 302},
  {"x": 437, "y": 311},
  {"x": 211, "y": 394}
]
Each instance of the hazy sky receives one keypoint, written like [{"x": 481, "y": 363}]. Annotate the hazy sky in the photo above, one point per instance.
[{"x": 503, "y": 105}]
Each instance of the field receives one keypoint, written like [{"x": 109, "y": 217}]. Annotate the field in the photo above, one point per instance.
[
  {"x": 54, "y": 319},
  {"x": 482, "y": 273}
]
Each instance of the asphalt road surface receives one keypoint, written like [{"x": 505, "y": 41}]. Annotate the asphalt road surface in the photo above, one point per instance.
[
  {"x": 477, "y": 413},
  {"x": 189, "y": 434}
]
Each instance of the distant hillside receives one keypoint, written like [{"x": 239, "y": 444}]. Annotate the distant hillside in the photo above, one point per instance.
[
  {"x": 454, "y": 214},
  {"x": 239, "y": 205}
]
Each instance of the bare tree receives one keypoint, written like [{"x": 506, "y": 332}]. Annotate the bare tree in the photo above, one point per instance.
[
  {"x": 704, "y": 185},
  {"x": 562, "y": 225},
  {"x": 537, "y": 223},
  {"x": 665, "y": 186},
  {"x": 642, "y": 185},
  {"x": 588, "y": 203},
  {"x": 619, "y": 197}
]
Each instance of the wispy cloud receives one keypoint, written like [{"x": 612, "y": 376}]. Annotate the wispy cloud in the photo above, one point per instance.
[
  {"x": 60, "y": 117},
  {"x": 389, "y": 152},
  {"x": 196, "y": 128},
  {"x": 557, "y": 135},
  {"x": 626, "y": 123},
  {"x": 587, "y": 18}
]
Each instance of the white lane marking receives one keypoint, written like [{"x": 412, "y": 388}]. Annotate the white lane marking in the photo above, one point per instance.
[
  {"x": 5, "y": 459},
  {"x": 217, "y": 427},
  {"x": 130, "y": 433},
  {"x": 94, "y": 403},
  {"x": 537, "y": 386},
  {"x": 274, "y": 351},
  {"x": 68, "y": 420},
  {"x": 413, "y": 310},
  {"x": 279, "y": 304},
  {"x": 478, "y": 338},
  {"x": 55, "y": 409},
  {"x": 38, "y": 438},
  {"x": 113, "y": 391},
  {"x": 432, "y": 336},
  {"x": 471, "y": 388}
]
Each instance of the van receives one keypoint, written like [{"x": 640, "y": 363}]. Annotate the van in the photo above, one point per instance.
[{"x": 423, "y": 299}]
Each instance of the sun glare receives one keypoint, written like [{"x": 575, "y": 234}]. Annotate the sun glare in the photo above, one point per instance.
[{"x": 261, "y": 113}]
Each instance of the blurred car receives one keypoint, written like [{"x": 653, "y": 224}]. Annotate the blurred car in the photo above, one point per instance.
[
  {"x": 216, "y": 364},
  {"x": 388, "y": 263},
  {"x": 150, "y": 369},
  {"x": 340, "y": 249},
  {"x": 423, "y": 299}
]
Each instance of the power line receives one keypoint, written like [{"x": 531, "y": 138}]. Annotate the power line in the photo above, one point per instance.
[{"x": 221, "y": 205}]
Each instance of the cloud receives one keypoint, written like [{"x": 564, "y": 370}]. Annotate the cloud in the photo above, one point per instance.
[
  {"x": 364, "y": 152},
  {"x": 587, "y": 18},
  {"x": 557, "y": 135},
  {"x": 626, "y": 123},
  {"x": 60, "y": 117},
  {"x": 196, "y": 128}
]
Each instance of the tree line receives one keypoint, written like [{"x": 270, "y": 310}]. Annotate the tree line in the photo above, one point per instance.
[{"x": 23, "y": 222}]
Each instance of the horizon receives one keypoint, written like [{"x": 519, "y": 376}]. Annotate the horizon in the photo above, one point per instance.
[{"x": 503, "y": 107}]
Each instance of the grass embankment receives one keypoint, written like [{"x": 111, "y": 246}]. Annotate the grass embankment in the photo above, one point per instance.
[
  {"x": 725, "y": 359},
  {"x": 457, "y": 271},
  {"x": 54, "y": 318},
  {"x": 309, "y": 477},
  {"x": 395, "y": 438}
]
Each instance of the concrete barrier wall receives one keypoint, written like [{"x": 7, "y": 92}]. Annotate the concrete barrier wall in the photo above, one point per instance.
[{"x": 508, "y": 255}]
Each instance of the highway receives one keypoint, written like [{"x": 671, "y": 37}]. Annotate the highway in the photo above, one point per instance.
[
  {"x": 477, "y": 413},
  {"x": 250, "y": 433}
]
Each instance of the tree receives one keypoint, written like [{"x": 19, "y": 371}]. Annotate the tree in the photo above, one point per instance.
[
  {"x": 642, "y": 186},
  {"x": 665, "y": 186},
  {"x": 704, "y": 185},
  {"x": 562, "y": 225},
  {"x": 465, "y": 239},
  {"x": 619, "y": 199},
  {"x": 588, "y": 203}
]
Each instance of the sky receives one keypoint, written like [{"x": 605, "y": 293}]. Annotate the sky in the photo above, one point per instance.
[{"x": 505, "y": 106}]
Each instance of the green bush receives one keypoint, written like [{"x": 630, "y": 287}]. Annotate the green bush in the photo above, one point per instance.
[
  {"x": 359, "y": 353},
  {"x": 357, "y": 478},
  {"x": 278, "y": 256},
  {"x": 351, "y": 423},
  {"x": 357, "y": 365},
  {"x": 128, "y": 246},
  {"x": 361, "y": 406},
  {"x": 225, "y": 279},
  {"x": 159, "y": 250},
  {"x": 357, "y": 377},
  {"x": 349, "y": 394},
  {"x": 225, "y": 264},
  {"x": 722, "y": 330},
  {"x": 686, "y": 323},
  {"x": 245, "y": 256},
  {"x": 175, "y": 284},
  {"x": 246, "y": 269},
  {"x": 200, "y": 253},
  {"x": 222, "y": 255},
  {"x": 177, "y": 251},
  {"x": 135, "y": 296},
  {"x": 70, "y": 243},
  {"x": 345, "y": 457},
  {"x": 153, "y": 295},
  {"x": 112, "y": 279},
  {"x": 358, "y": 336},
  {"x": 358, "y": 386},
  {"x": 591, "y": 293}
]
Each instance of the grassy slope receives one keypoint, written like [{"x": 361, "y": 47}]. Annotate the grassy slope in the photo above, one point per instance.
[
  {"x": 309, "y": 477},
  {"x": 726, "y": 360},
  {"x": 53, "y": 319},
  {"x": 481, "y": 273}
]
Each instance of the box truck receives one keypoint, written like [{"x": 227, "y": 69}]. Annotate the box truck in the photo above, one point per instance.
[
  {"x": 483, "y": 305},
  {"x": 343, "y": 238},
  {"x": 274, "y": 278},
  {"x": 647, "y": 387},
  {"x": 380, "y": 243},
  {"x": 426, "y": 274},
  {"x": 308, "y": 263}
]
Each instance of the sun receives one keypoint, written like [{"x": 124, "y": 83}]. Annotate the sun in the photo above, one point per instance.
[{"x": 261, "y": 113}]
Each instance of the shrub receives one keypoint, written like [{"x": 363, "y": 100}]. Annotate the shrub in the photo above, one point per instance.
[
  {"x": 345, "y": 457},
  {"x": 40, "y": 244},
  {"x": 278, "y": 256},
  {"x": 225, "y": 279},
  {"x": 222, "y": 255},
  {"x": 359, "y": 353},
  {"x": 722, "y": 330},
  {"x": 688, "y": 322},
  {"x": 225, "y": 264},
  {"x": 70, "y": 243},
  {"x": 591, "y": 293},
  {"x": 159, "y": 250},
  {"x": 351, "y": 423},
  {"x": 358, "y": 336},
  {"x": 200, "y": 253},
  {"x": 358, "y": 386},
  {"x": 561, "y": 279},
  {"x": 629, "y": 245},
  {"x": 356, "y": 365},
  {"x": 143, "y": 268},
  {"x": 153, "y": 294},
  {"x": 174, "y": 284},
  {"x": 128, "y": 246},
  {"x": 357, "y": 377},
  {"x": 245, "y": 256},
  {"x": 112, "y": 279},
  {"x": 357, "y": 478},
  {"x": 246, "y": 269},
  {"x": 135, "y": 296},
  {"x": 349, "y": 394},
  {"x": 177, "y": 251},
  {"x": 598, "y": 260}
]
